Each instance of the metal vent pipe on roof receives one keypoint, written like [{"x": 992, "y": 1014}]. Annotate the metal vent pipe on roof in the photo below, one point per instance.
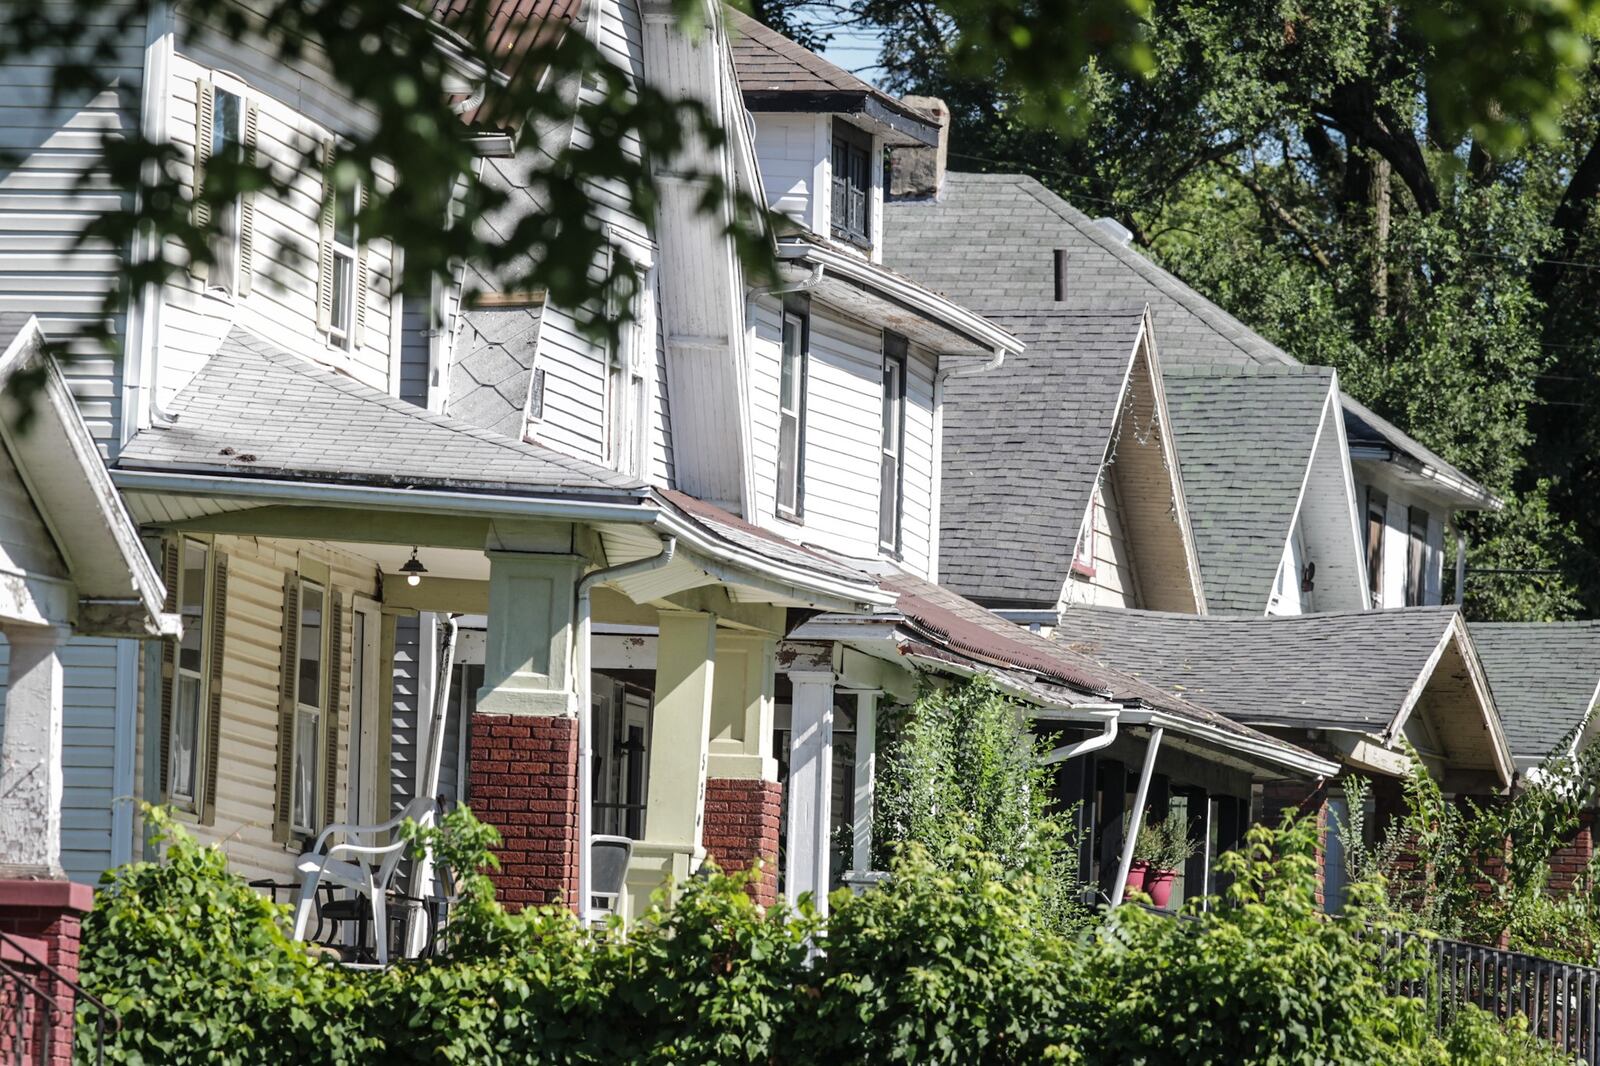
[{"x": 1061, "y": 274}]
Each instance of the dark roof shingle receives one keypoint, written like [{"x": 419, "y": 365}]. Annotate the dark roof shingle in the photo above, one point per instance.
[
  {"x": 257, "y": 411},
  {"x": 1544, "y": 676},
  {"x": 1350, "y": 670},
  {"x": 1244, "y": 437},
  {"x": 1023, "y": 446}
]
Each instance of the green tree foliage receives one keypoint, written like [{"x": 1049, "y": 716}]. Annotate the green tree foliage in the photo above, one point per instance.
[
  {"x": 1402, "y": 191},
  {"x": 961, "y": 766},
  {"x": 955, "y": 960}
]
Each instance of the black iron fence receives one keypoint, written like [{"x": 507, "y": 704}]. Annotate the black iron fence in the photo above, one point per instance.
[{"x": 38, "y": 1004}]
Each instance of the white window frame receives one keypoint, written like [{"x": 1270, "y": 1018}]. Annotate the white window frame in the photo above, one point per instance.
[
  {"x": 307, "y": 821},
  {"x": 201, "y": 680},
  {"x": 227, "y": 241},
  {"x": 892, "y": 442},
  {"x": 790, "y": 500},
  {"x": 346, "y": 259},
  {"x": 1083, "y": 552}
]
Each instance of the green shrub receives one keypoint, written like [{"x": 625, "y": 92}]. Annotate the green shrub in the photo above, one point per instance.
[{"x": 956, "y": 959}]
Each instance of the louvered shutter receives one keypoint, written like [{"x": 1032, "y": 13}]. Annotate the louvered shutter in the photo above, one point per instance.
[
  {"x": 325, "y": 243},
  {"x": 358, "y": 321},
  {"x": 247, "y": 205},
  {"x": 200, "y": 210},
  {"x": 330, "y": 720},
  {"x": 169, "y": 656},
  {"x": 283, "y": 819},
  {"x": 217, "y": 619}
]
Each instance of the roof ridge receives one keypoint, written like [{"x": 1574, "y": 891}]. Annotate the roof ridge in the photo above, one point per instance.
[{"x": 1440, "y": 610}]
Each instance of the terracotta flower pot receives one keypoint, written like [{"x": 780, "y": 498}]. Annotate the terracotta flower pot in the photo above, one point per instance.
[
  {"x": 1137, "y": 873},
  {"x": 1158, "y": 884}
]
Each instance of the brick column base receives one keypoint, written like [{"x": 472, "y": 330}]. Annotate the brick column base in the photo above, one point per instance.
[
  {"x": 523, "y": 780},
  {"x": 47, "y": 916},
  {"x": 1571, "y": 859},
  {"x": 1307, "y": 801},
  {"x": 741, "y": 825}
]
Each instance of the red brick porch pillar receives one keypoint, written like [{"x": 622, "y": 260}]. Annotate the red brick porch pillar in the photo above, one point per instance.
[
  {"x": 523, "y": 780},
  {"x": 49, "y": 915},
  {"x": 741, "y": 825},
  {"x": 1307, "y": 799}
]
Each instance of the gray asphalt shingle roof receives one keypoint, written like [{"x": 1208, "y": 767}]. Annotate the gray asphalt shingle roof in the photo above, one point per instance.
[
  {"x": 1022, "y": 449},
  {"x": 1244, "y": 437},
  {"x": 257, "y": 411},
  {"x": 989, "y": 241},
  {"x": 1349, "y": 670},
  {"x": 1544, "y": 676},
  {"x": 493, "y": 367}
]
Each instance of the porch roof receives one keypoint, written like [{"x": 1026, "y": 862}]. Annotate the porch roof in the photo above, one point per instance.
[
  {"x": 1360, "y": 672},
  {"x": 1244, "y": 437},
  {"x": 256, "y": 411},
  {"x": 1545, "y": 677},
  {"x": 938, "y": 624}
]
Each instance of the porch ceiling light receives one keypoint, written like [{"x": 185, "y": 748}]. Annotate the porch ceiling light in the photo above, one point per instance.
[{"x": 413, "y": 569}]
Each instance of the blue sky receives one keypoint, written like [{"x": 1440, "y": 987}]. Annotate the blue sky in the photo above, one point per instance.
[{"x": 853, "y": 48}]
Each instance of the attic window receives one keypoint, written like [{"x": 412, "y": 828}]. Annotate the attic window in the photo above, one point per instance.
[
  {"x": 852, "y": 184},
  {"x": 1377, "y": 512}
]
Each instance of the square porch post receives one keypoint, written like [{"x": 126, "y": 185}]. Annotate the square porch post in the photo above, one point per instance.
[
  {"x": 31, "y": 777},
  {"x": 810, "y": 782},
  {"x": 680, "y": 732},
  {"x": 524, "y": 750},
  {"x": 743, "y": 796}
]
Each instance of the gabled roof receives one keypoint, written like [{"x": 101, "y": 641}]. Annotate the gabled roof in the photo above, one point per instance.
[
  {"x": 938, "y": 626},
  {"x": 1244, "y": 437},
  {"x": 1545, "y": 677},
  {"x": 777, "y": 74},
  {"x": 256, "y": 411},
  {"x": 509, "y": 27},
  {"x": 1023, "y": 446},
  {"x": 1360, "y": 671},
  {"x": 988, "y": 241},
  {"x": 93, "y": 573},
  {"x": 493, "y": 367}
]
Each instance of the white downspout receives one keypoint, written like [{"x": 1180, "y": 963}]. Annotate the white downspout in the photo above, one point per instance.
[
  {"x": 1137, "y": 817},
  {"x": 1108, "y": 733},
  {"x": 586, "y": 584}
]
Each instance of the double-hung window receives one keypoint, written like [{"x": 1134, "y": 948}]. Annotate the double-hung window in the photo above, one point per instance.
[
  {"x": 227, "y": 143},
  {"x": 792, "y": 413},
  {"x": 852, "y": 184},
  {"x": 1377, "y": 520},
  {"x": 186, "y": 740},
  {"x": 342, "y": 326},
  {"x": 310, "y": 703},
  {"x": 891, "y": 450},
  {"x": 1416, "y": 556}
]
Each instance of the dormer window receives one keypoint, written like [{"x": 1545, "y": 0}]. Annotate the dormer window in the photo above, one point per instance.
[
  {"x": 892, "y": 445},
  {"x": 852, "y": 184},
  {"x": 225, "y": 131}
]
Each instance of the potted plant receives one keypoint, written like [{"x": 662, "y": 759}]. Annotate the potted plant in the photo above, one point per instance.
[
  {"x": 1146, "y": 850},
  {"x": 1170, "y": 848}
]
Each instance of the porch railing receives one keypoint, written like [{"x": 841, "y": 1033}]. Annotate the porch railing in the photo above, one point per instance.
[
  {"x": 34, "y": 1005},
  {"x": 1560, "y": 1000}
]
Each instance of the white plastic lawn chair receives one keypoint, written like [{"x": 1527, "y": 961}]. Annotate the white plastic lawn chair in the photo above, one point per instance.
[{"x": 361, "y": 862}]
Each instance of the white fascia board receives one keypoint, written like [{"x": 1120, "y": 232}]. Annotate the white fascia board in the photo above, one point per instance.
[
  {"x": 902, "y": 290},
  {"x": 1258, "y": 748}
]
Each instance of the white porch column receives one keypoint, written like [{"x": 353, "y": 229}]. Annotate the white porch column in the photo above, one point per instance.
[
  {"x": 810, "y": 785},
  {"x": 30, "y": 760},
  {"x": 527, "y": 658},
  {"x": 679, "y": 737},
  {"x": 865, "y": 769}
]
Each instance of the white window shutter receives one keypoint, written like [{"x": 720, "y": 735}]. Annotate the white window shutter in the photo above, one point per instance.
[
  {"x": 200, "y": 211},
  {"x": 358, "y": 321},
  {"x": 247, "y": 206},
  {"x": 325, "y": 243}
]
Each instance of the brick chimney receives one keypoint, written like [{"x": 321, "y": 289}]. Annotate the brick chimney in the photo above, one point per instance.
[{"x": 917, "y": 173}]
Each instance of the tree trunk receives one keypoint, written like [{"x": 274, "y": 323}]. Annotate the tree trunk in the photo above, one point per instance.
[{"x": 1380, "y": 198}]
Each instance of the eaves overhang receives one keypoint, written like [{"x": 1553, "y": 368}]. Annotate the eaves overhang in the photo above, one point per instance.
[
  {"x": 971, "y": 332},
  {"x": 901, "y": 123}
]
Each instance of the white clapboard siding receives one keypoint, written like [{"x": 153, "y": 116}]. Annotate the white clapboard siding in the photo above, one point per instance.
[
  {"x": 844, "y": 397},
  {"x": 297, "y": 105},
  {"x": 1112, "y": 583},
  {"x": 660, "y": 456},
  {"x": 575, "y": 364},
  {"x": 916, "y": 506},
  {"x": 786, "y": 152},
  {"x": 765, "y": 358},
  {"x": 42, "y": 209},
  {"x": 414, "y": 351},
  {"x": 247, "y": 763}
]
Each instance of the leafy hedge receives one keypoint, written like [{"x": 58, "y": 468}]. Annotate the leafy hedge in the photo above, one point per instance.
[{"x": 954, "y": 961}]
